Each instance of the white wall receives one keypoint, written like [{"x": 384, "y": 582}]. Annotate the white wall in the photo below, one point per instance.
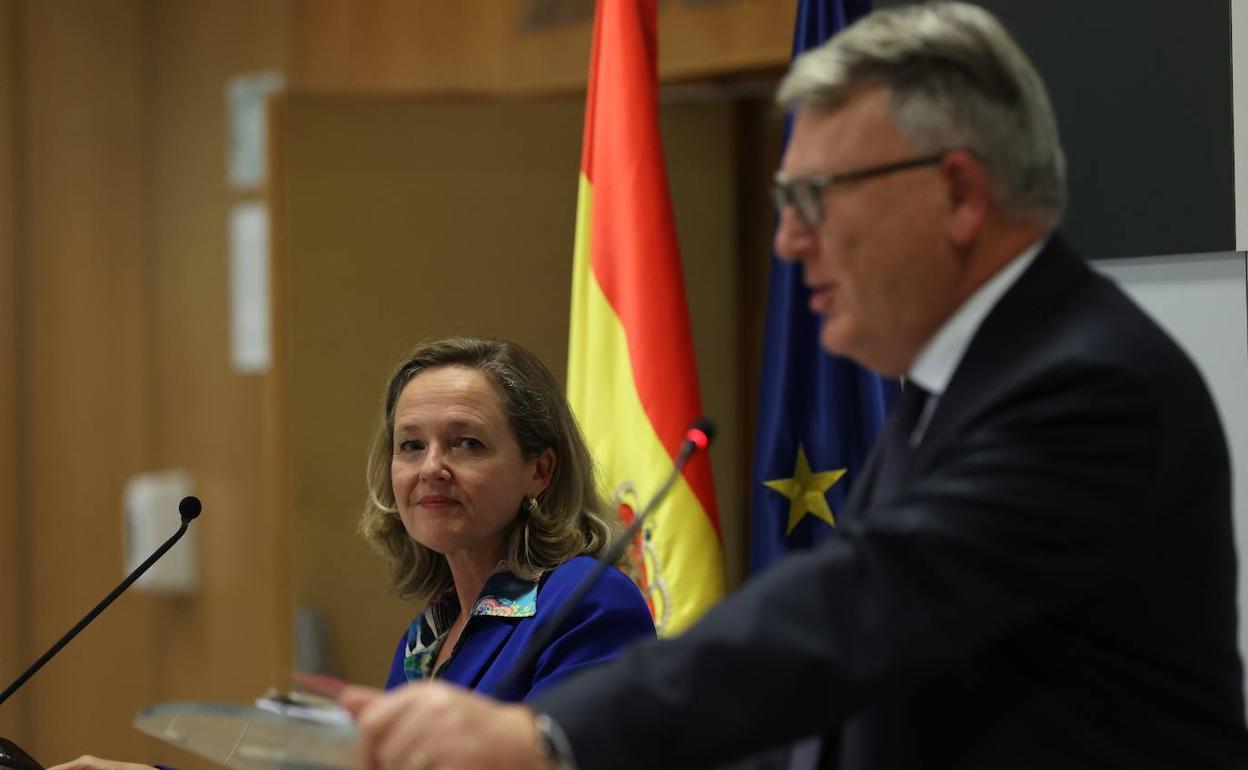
[
  {"x": 1239, "y": 116},
  {"x": 1202, "y": 300}
]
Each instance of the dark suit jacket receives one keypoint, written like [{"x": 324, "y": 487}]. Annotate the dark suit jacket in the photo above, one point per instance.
[{"x": 1050, "y": 582}]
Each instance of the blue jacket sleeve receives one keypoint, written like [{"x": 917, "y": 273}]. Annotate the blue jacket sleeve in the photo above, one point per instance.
[
  {"x": 610, "y": 617},
  {"x": 397, "y": 677}
]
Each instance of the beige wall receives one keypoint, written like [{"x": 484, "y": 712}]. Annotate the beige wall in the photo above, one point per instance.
[
  {"x": 211, "y": 419},
  {"x": 86, "y": 403},
  {"x": 10, "y": 543},
  {"x": 113, "y": 267}
]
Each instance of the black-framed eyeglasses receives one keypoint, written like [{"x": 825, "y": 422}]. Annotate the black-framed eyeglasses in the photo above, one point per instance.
[{"x": 805, "y": 193}]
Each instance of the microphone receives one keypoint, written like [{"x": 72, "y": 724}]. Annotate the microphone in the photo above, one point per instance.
[
  {"x": 698, "y": 437},
  {"x": 10, "y": 754}
]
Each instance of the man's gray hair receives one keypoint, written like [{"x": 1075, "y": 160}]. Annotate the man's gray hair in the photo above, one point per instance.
[{"x": 954, "y": 79}]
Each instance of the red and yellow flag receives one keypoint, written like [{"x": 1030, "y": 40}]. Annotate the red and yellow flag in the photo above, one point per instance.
[{"x": 632, "y": 378}]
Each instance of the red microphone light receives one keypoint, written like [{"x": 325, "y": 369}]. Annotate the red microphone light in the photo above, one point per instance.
[{"x": 698, "y": 437}]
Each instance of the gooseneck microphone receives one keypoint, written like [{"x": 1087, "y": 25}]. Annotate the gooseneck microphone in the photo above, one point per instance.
[
  {"x": 697, "y": 438},
  {"x": 12, "y": 757},
  {"x": 189, "y": 509}
]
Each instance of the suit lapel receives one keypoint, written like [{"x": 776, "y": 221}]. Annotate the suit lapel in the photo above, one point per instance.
[
  {"x": 863, "y": 493},
  {"x": 1021, "y": 312},
  {"x": 489, "y": 639}
]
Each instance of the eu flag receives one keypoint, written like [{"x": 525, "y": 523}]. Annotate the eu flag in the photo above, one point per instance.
[{"x": 818, "y": 414}]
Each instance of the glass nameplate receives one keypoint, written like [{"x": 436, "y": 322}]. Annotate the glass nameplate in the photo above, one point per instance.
[{"x": 249, "y": 738}]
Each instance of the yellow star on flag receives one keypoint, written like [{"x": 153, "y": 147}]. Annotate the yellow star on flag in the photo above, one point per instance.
[{"x": 806, "y": 491}]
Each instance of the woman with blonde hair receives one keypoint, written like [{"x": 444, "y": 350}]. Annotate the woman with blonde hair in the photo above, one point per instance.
[{"x": 482, "y": 499}]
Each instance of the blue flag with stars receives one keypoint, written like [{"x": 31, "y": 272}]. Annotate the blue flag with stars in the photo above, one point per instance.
[{"x": 818, "y": 414}]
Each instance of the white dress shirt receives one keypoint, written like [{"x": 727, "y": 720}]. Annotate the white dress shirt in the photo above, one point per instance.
[{"x": 933, "y": 368}]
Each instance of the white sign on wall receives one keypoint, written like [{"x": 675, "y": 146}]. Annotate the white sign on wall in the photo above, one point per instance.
[
  {"x": 246, "y": 156},
  {"x": 249, "y": 288}
]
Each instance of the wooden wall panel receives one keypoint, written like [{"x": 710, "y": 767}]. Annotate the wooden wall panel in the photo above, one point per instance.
[
  {"x": 11, "y": 625},
  {"x": 113, "y": 273},
  {"x": 402, "y": 220},
  {"x": 84, "y": 385},
  {"x": 483, "y": 46},
  {"x": 228, "y": 641},
  {"x": 211, "y": 417}
]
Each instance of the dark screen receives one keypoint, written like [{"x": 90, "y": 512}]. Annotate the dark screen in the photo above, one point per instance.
[{"x": 1142, "y": 92}]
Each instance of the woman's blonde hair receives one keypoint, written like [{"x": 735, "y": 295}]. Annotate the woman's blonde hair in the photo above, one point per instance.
[{"x": 570, "y": 517}]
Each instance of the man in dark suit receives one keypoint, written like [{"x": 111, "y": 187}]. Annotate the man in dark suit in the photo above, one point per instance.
[{"x": 1036, "y": 569}]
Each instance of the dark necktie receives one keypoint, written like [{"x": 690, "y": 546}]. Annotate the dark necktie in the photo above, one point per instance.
[
  {"x": 898, "y": 452},
  {"x": 910, "y": 409},
  {"x": 894, "y": 470}
]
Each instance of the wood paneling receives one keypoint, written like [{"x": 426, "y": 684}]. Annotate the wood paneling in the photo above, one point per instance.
[
  {"x": 11, "y": 620},
  {"x": 114, "y": 347},
  {"x": 227, "y": 642},
  {"x": 84, "y": 388},
  {"x": 403, "y": 220},
  {"x": 425, "y": 46}
]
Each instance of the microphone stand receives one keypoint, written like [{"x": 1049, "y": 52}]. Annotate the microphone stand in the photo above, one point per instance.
[{"x": 11, "y": 755}]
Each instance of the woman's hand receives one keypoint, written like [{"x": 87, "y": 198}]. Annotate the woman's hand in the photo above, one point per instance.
[
  {"x": 431, "y": 725},
  {"x": 88, "y": 762}
]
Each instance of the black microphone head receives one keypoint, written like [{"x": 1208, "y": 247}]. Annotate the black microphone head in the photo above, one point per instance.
[{"x": 190, "y": 507}]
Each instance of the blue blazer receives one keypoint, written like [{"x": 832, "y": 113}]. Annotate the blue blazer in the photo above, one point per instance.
[{"x": 509, "y": 611}]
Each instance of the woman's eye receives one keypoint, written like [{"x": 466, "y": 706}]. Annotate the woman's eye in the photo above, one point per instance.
[
  {"x": 468, "y": 442},
  {"x": 411, "y": 445}
]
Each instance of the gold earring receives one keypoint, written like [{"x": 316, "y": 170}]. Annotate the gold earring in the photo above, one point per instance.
[
  {"x": 526, "y": 555},
  {"x": 534, "y": 508}
]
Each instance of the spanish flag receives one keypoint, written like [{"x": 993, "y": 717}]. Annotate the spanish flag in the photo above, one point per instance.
[{"x": 632, "y": 379}]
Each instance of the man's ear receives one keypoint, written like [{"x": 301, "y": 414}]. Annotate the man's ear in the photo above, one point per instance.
[
  {"x": 970, "y": 196},
  {"x": 543, "y": 472}
]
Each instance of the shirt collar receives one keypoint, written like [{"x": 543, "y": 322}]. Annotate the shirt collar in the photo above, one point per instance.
[
  {"x": 503, "y": 595},
  {"x": 508, "y": 596},
  {"x": 938, "y": 360}
]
